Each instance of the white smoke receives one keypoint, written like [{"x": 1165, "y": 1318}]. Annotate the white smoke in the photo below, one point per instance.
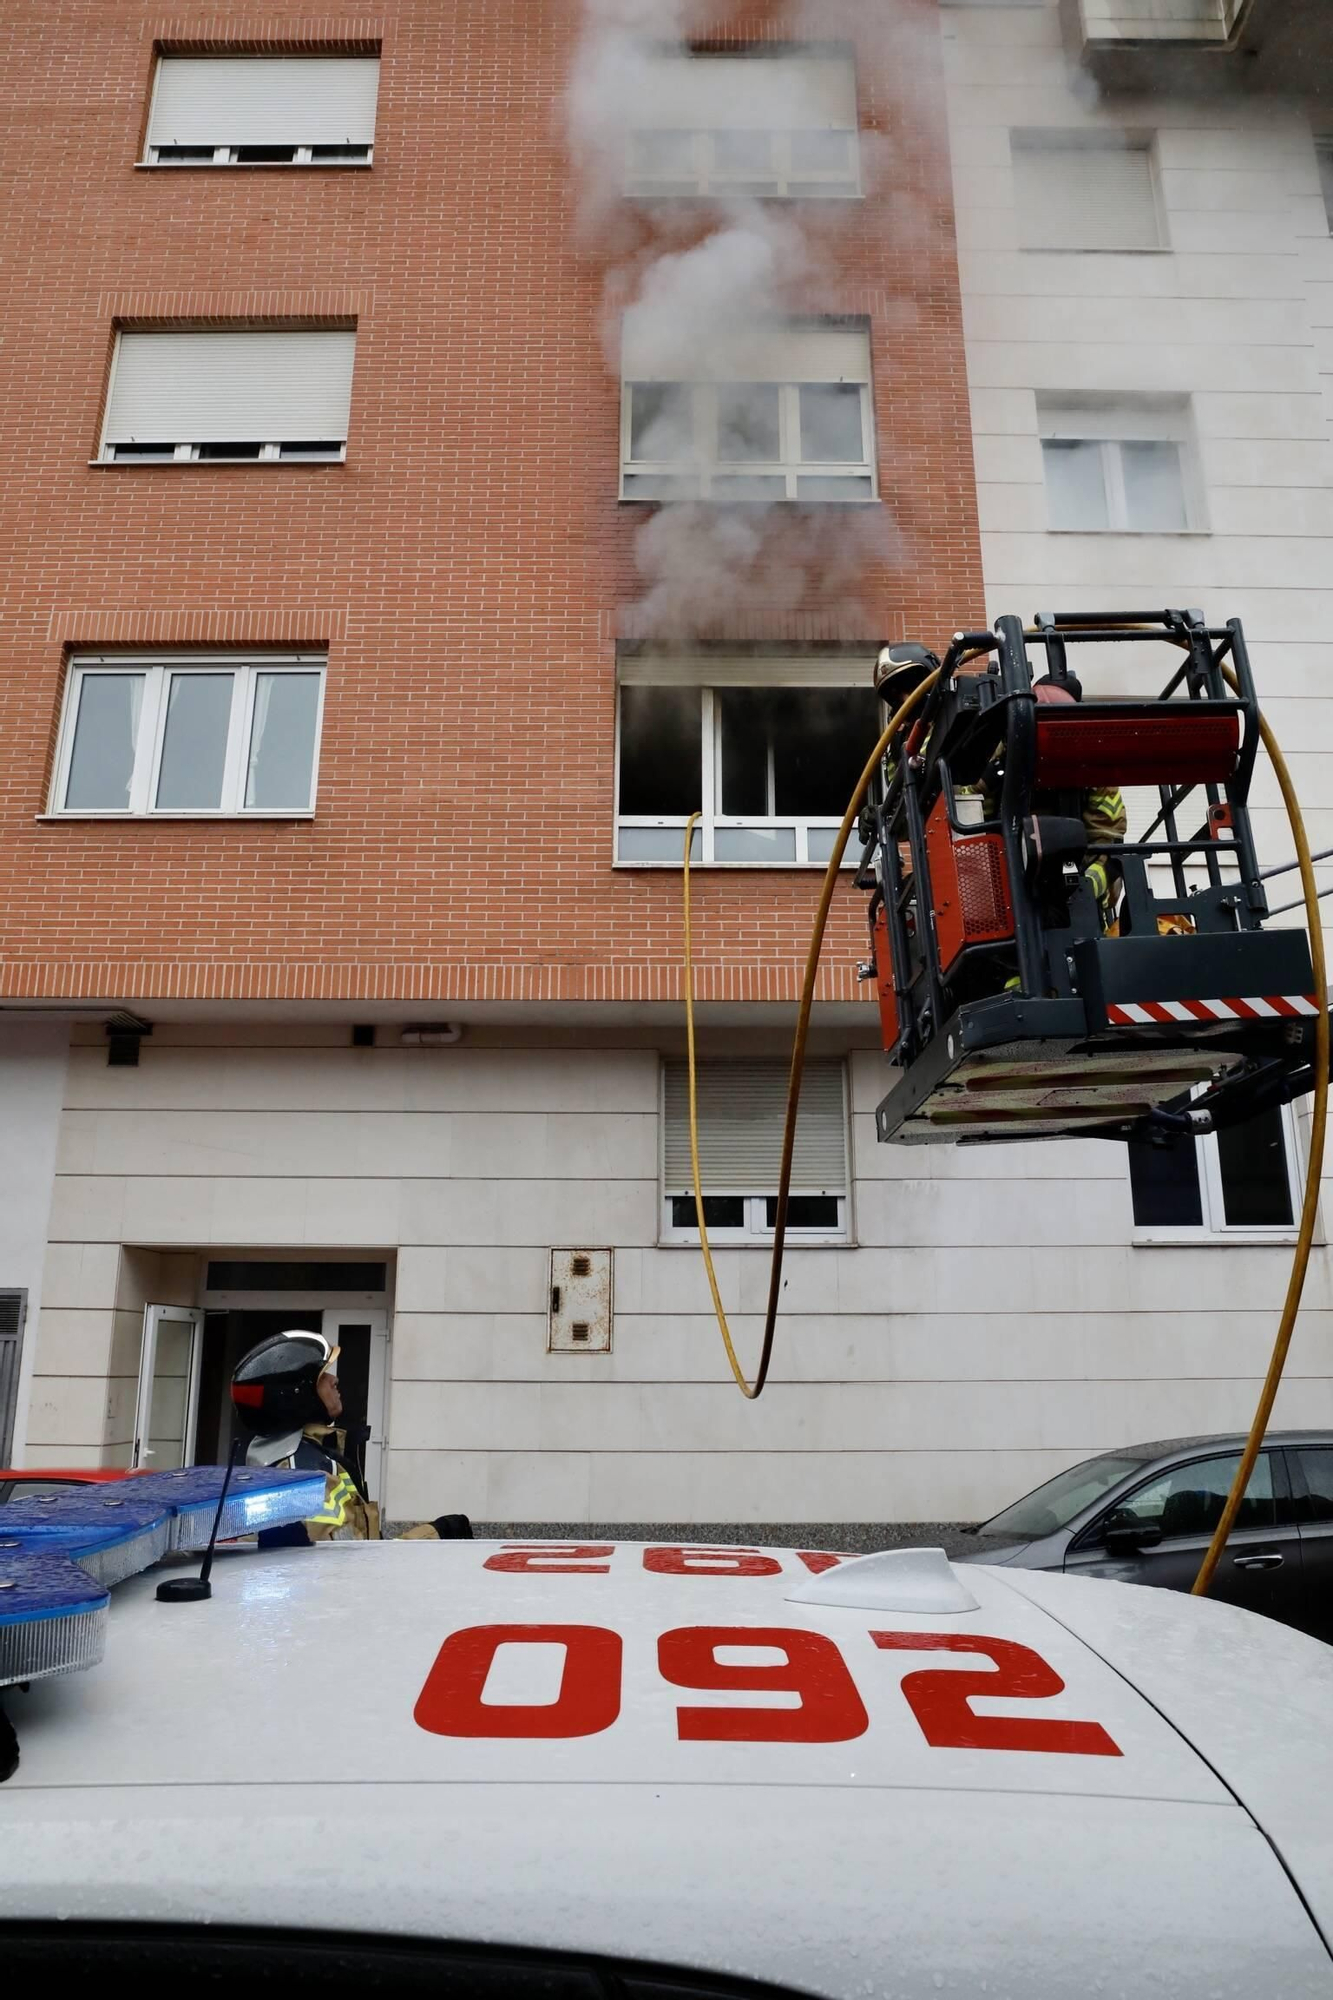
[{"x": 691, "y": 302}]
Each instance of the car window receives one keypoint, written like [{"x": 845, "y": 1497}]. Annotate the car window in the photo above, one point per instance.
[
  {"x": 24, "y": 1489},
  {"x": 1053, "y": 1506},
  {"x": 1317, "y": 1466},
  {"x": 1189, "y": 1499}
]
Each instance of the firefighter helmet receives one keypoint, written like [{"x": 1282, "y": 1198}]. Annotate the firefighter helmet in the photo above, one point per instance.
[
  {"x": 274, "y": 1388},
  {"x": 901, "y": 668}
]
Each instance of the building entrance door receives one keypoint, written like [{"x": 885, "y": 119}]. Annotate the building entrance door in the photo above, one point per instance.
[
  {"x": 363, "y": 1369},
  {"x": 164, "y": 1421}
]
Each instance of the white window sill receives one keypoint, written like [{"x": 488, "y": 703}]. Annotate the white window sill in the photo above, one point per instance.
[
  {"x": 1213, "y": 1239},
  {"x": 642, "y": 198},
  {"x": 1137, "y": 534},
  {"x": 707, "y": 500},
  {"x": 205, "y": 464},
  {"x": 764, "y": 1243},
  {"x": 253, "y": 166},
  {"x": 733, "y": 867},
  {"x": 147, "y": 819},
  {"x": 1096, "y": 250}
]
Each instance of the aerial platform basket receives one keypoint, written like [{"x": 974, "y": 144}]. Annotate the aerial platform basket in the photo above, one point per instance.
[{"x": 1014, "y": 1003}]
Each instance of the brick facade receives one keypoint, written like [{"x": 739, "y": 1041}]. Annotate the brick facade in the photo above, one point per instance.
[{"x": 469, "y": 568}]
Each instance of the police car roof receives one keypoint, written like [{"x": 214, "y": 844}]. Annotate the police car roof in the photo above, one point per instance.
[{"x": 753, "y": 1763}]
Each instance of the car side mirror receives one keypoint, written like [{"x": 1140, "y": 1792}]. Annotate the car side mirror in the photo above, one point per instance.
[{"x": 1124, "y": 1536}]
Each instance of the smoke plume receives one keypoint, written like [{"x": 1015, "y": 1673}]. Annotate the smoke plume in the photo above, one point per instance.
[{"x": 690, "y": 288}]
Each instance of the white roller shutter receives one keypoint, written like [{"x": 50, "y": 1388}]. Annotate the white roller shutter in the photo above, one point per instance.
[
  {"x": 230, "y": 388},
  {"x": 741, "y": 1110},
  {"x": 1080, "y": 197},
  {"x": 786, "y": 93},
  {"x": 264, "y": 101}
]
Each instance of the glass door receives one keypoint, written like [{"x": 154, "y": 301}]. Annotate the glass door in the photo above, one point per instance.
[
  {"x": 168, "y": 1387},
  {"x": 363, "y": 1366}
]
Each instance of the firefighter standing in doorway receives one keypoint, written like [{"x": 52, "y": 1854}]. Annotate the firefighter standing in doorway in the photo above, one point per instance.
[{"x": 286, "y": 1396}]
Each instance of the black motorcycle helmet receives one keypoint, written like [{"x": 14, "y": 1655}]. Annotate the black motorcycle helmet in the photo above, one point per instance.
[
  {"x": 273, "y": 1389},
  {"x": 901, "y": 668}
]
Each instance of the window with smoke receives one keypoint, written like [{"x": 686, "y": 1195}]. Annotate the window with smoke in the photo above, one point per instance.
[{"x": 770, "y": 769}]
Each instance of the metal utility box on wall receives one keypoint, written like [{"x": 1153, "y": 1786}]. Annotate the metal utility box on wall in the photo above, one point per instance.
[{"x": 579, "y": 1319}]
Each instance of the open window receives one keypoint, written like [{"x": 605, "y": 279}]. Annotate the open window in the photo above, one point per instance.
[
  {"x": 787, "y": 417},
  {"x": 769, "y": 766},
  {"x": 269, "y": 111},
  {"x": 741, "y": 1108},
  {"x": 773, "y": 122},
  {"x": 1240, "y": 1181}
]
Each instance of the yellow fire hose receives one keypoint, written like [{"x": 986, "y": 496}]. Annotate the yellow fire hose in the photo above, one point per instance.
[
  {"x": 863, "y": 783},
  {"x": 1318, "y": 1119},
  {"x": 1313, "y": 1170}
]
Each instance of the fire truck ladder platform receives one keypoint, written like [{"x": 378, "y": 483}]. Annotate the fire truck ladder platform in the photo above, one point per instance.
[{"x": 1026, "y": 994}]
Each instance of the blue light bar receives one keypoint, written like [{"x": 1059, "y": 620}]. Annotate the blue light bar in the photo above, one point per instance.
[
  {"x": 111, "y": 1535},
  {"x": 60, "y": 1552},
  {"x": 52, "y": 1617},
  {"x": 258, "y": 1497}
]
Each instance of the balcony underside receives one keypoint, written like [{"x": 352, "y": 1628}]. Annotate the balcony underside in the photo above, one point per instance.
[{"x": 1189, "y": 47}]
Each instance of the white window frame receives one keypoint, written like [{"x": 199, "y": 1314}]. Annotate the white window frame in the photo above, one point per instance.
[
  {"x": 230, "y": 156},
  {"x": 359, "y": 155},
  {"x": 703, "y": 844},
  {"x": 704, "y": 177},
  {"x": 271, "y": 453},
  {"x": 1112, "y": 422},
  {"x": 1214, "y": 1227},
  {"x": 756, "y": 1233},
  {"x": 696, "y": 474},
  {"x": 157, "y": 670}
]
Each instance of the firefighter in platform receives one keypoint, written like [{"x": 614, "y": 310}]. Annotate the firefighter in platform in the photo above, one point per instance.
[
  {"x": 286, "y": 1397},
  {"x": 901, "y": 668},
  {"x": 1101, "y": 809}
]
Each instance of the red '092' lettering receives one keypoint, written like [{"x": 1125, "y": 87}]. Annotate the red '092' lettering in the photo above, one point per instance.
[
  {"x": 939, "y": 1698},
  {"x": 831, "y": 1710},
  {"x": 450, "y": 1703},
  {"x": 553, "y": 1559},
  {"x": 710, "y": 1562}
]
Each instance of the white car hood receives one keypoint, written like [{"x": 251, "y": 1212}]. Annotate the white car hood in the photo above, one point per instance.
[
  {"x": 1254, "y": 1699},
  {"x": 273, "y": 1758}
]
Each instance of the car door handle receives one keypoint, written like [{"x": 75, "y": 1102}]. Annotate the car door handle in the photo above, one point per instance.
[{"x": 1271, "y": 1561}]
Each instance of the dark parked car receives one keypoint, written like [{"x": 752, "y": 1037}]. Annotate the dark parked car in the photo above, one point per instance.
[{"x": 1145, "y": 1514}]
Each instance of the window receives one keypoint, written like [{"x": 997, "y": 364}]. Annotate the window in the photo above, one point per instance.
[
  {"x": 247, "y": 396},
  {"x": 775, "y": 123},
  {"x": 1238, "y": 1179},
  {"x": 1314, "y": 1464},
  {"x": 1189, "y": 1499},
  {"x": 1085, "y": 191},
  {"x": 1324, "y": 155},
  {"x": 238, "y": 111},
  {"x": 190, "y": 735},
  {"x": 741, "y": 1110},
  {"x": 1120, "y": 465},
  {"x": 771, "y": 769},
  {"x": 799, "y": 427}
]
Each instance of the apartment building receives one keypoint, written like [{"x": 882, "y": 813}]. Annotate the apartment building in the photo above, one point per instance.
[{"x": 459, "y": 445}]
